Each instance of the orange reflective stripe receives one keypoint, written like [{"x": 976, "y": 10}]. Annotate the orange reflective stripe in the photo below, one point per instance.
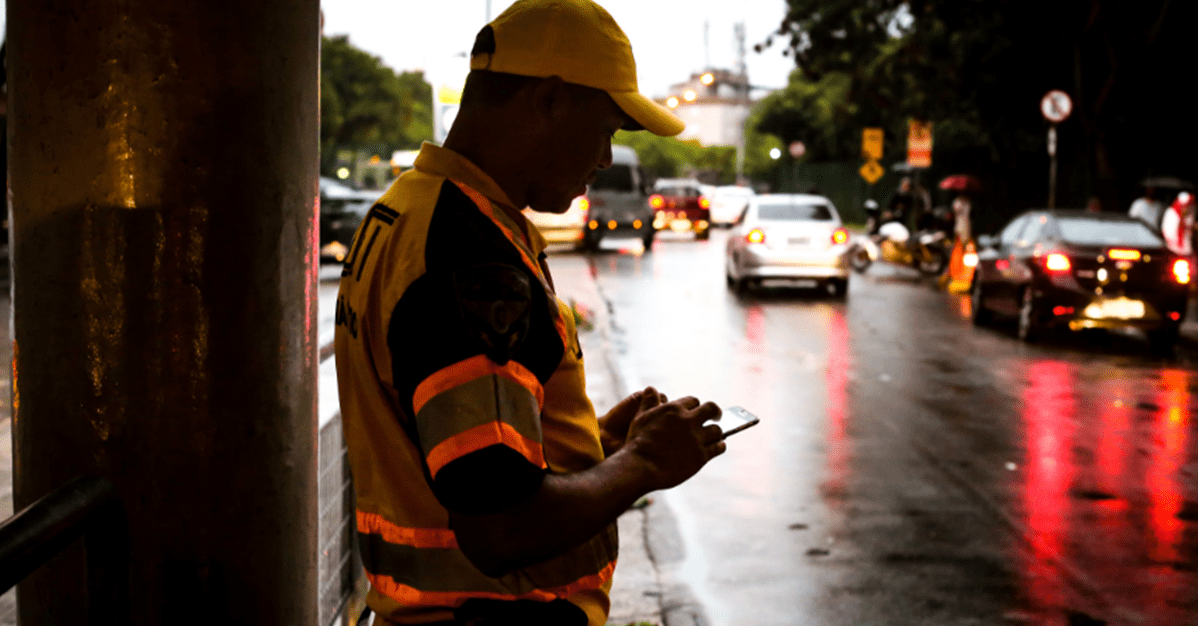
[
  {"x": 375, "y": 524},
  {"x": 480, "y": 437},
  {"x": 410, "y": 596},
  {"x": 474, "y": 368},
  {"x": 484, "y": 205}
]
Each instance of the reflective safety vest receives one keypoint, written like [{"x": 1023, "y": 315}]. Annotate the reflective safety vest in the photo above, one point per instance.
[{"x": 461, "y": 384}]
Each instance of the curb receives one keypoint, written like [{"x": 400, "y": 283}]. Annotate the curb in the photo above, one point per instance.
[{"x": 636, "y": 593}]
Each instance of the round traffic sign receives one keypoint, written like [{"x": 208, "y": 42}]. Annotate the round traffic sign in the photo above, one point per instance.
[
  {"x": 797, "y": 149},
  {"x": 1056, "y": 106}
]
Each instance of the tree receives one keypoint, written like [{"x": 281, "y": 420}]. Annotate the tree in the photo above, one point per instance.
[
  {"x": 667, "y": 157},
  {"x": 363, "y": 101},
  {"x": 977, "y": 69}
]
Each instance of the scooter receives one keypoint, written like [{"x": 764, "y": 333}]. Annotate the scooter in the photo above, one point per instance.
[{"x": 893, "y": 244}]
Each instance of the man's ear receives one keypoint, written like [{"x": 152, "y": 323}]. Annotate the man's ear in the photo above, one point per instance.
[{"x": 547, "y": 96}]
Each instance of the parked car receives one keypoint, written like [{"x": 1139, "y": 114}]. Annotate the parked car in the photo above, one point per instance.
[
  {"x": 618, "y": 202},
  {"x": 1071, "y": 269},
  {"x": 788, "y": 236},
  {"x": 342, "y": 209},
  {"x": 563, "y": 228},
  {"x": 681, "y": 206},
  {"x": 727, "y": 203}
]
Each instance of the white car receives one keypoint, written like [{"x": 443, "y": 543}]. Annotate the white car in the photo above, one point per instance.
[
  {"x": 727, "y": 203},
  {"x": 789, "y": 236}
]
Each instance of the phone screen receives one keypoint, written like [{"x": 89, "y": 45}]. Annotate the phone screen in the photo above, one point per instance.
[{"x": 735, "y": 419}]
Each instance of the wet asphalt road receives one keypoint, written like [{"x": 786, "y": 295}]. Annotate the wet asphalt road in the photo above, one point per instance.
[{"x": 909, "y": 468}]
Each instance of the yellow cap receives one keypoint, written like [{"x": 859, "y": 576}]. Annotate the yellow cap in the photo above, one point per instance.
[{"x": 578, "y": 41}]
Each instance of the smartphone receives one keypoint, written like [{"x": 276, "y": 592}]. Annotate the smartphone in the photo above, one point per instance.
[{"x": 735, "y": 419}]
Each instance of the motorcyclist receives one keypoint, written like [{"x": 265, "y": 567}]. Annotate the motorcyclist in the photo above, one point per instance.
[
  {"x": 901, "y": 203},
  {"x": 872, "y": 217}
]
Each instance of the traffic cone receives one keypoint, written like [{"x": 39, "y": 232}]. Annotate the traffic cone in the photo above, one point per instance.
[{"x": 960, "y": 266}]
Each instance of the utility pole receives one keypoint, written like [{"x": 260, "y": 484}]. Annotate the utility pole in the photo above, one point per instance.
[
  {"x": 163, "y": 194},
  {"x": 706, "y": 45},
  {"x": 742, "y": 93}
]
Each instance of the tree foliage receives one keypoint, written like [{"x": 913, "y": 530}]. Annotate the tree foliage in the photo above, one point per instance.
[
  {"x": 977, "y": 69},
  {"x": 363, "y": 101},
  {"x": 668, "y": 157}
]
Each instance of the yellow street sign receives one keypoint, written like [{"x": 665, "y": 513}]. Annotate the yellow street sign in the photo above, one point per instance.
[
  {"x": 871, "y": 143},
  {"x": 871, "y": 171}
]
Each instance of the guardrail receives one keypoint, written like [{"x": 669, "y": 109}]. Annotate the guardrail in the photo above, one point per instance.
[
  {"x": 88, "y": 508},
  {"x": 84, "y": 508}
]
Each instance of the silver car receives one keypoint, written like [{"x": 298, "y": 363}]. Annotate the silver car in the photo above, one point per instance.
[{"x": 789, "y": 236}]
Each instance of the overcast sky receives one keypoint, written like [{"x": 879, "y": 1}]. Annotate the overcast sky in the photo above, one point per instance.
[{"x": 666, "y": 35}]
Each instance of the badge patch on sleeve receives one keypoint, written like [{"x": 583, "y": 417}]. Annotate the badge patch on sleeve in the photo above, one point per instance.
[{"x": 496, "y": 303}]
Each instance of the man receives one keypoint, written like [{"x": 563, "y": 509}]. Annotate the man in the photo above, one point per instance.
[
  {"x": 901, "y": 203},
  {"x": 487, "y": 490},
  {"x": 1148, "y": 208},
  {"x": 1177, "y": 225}
]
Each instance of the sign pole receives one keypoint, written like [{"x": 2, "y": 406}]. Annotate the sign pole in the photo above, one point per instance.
[
  {"x": 1056, "y": 107},
  {"x": 1052, "y": 166}
]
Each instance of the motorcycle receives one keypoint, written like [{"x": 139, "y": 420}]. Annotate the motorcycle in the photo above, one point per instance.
[{"x": 926, "y": 252}]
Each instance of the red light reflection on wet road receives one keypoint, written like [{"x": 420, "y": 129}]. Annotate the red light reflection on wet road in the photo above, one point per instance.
[
  {"x": 1114, "y": 521},
  {"x": 1164, "y": 488},
  {"x": 1048, "y": 412},
  {"x": 836, "y": 379},
  {"x": 755, "y": 329}
]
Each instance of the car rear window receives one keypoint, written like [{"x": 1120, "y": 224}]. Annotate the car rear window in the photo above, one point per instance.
[
  {"x": 615, "y": 178},
  {"x": 784, "y": 212},
  {"x": 684, "y": 192},
  {"x": 1085, "y": 232}
]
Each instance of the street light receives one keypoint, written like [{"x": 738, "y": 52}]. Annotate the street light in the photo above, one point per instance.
[
  {"x": 689, "y": 95},
  {"x": 775, "y": 153},
  {"x": 672, "y": 102}
]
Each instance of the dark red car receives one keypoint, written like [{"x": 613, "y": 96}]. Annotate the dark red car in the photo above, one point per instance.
[
  {"x": 679, "y": 205},
  {"x": 1064, "y": 269}
]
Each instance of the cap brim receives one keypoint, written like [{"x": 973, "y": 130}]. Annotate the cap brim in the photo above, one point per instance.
[{"x": 647, "y": 114}]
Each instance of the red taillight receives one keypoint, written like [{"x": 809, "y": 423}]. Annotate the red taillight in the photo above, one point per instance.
[
  {"x": 1057, "y": 262},
  {"x": 755, "y": 236},
  {"x": 704, "y": 203},
  {"x": 1175, "y": 315},
  {"x": 840, "y": 235},
  {"x": 1062, "y": 310},
  {"x": 656, "y": 201},
  {"x": 1181, "y": 271}
]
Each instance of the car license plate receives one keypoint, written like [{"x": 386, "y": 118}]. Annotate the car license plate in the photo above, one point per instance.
[
  {"x": 1118, "y": 308},
  {"x": 800, "y": 241}
]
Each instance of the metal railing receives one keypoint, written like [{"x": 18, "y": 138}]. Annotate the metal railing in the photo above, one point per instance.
[
  {"x": 88, "y": 508},
  {"x": 84, "y": 508}
]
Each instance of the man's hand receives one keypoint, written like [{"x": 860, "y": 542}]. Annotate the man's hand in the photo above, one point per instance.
[
  {"x": 671, "y": 440},
  {"x": 613, "y": 427}
]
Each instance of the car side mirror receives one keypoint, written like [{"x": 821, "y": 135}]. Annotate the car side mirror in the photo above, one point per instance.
[{"x": 988, "y": 241}]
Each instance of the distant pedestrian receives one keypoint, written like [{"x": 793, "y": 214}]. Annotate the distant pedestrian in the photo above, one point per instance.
[
  {"x": 962, "y": 228},
  {"x": 1177, "y": 225},
  {"x": 1148, "y": 208}
]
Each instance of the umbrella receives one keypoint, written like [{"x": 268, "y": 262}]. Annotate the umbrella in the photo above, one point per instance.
[
  {"x": 961, "y": 182},
  {"x": 1167, "y": 182}
]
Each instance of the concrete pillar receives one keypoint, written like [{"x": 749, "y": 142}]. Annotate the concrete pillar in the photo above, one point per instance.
[{"x": 163, "y": 198}]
